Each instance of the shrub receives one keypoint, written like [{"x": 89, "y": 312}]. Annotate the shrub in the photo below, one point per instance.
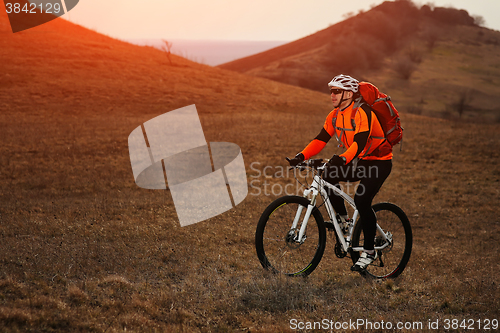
[
  {"x": 404, "y": 67},
  {"x": 415, "y": 54},
  {"x": 430, "y": 37}
]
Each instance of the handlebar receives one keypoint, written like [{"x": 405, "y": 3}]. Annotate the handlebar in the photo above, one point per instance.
[{"x": 317, "y": 164}]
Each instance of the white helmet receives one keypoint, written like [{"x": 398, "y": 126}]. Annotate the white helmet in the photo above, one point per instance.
[{"x": 344, "y": 82}]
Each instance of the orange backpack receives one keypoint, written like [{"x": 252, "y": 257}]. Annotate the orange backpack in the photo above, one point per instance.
[{"x": 385, "y": 111}]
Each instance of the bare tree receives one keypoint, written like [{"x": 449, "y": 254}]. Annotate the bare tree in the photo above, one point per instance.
[
  {"x": 479, "y": 20},
  {"x": 463, "y": 101},
  {"x": 414, "y": 54},
  {"x": 348, "y": 15},
  {"x": 166, "y": 47},
  {"x": 431, "y": 37},
  {"x": 431, "y": 5}
]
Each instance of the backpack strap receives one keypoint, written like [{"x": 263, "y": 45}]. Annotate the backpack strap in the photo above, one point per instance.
[
  {"x": 342, "y": 129},
  {"x": 357, "y": 103},
  {"x": 334, "y": 123},
  {"x": 386, "y": 100}
]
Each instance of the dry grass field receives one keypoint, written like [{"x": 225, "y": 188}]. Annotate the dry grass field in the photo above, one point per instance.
[{"x": 83, "y": 249}]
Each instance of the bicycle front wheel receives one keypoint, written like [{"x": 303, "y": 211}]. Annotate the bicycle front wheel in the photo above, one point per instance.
[
  {"x": 395, "y": 250},
  {"x": 276, "y": 241}
]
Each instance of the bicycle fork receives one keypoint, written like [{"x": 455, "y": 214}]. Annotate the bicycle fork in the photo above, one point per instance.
[{"x": 312, "y": 204}]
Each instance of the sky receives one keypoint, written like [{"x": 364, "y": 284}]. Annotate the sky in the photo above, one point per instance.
[{"x": 256, "y": 20}]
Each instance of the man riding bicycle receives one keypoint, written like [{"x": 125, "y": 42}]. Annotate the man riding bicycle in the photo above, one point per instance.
[{"x": 367, "y": 158}]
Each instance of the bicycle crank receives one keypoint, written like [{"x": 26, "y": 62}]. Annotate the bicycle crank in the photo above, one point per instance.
[
  {"x": 339, "y": 250},
  {"x": 380, "y": 259}
]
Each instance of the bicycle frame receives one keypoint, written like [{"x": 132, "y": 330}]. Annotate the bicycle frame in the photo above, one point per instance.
[{"x": 318, "y": 187}]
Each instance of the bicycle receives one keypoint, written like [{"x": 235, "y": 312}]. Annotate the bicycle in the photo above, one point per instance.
[{"x": 287, "y": 243}]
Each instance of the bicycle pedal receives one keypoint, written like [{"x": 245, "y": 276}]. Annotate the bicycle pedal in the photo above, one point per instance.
[
  {"x": 339, "y": 251},
  {"x": 380, "y": 259}
]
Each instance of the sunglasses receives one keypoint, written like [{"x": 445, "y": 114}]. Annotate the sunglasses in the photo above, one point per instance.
[{"x": 336, "y": 91}]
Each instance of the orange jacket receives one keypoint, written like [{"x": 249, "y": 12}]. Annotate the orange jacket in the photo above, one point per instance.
[{"x": 364, "y": 140}]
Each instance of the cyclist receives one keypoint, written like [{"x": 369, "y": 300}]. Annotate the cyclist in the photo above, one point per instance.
[{"x": 367, "y": 158}]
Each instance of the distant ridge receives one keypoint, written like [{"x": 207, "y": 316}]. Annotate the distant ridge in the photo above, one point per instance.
[
  {"x": 356, "y": 44},
  {"x": 400, "y": 46}
]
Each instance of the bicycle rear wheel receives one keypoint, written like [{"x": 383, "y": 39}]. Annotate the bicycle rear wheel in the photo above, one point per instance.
[
  {"x": 392, "y": 259},
  {"x": 276, "y": 241}
]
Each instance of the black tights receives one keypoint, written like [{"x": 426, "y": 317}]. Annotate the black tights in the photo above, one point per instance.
[{"x": 371, "y": 175}]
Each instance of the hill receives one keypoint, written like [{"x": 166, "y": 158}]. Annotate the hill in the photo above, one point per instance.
[
  {"x": 427, "y": 58},
  {"x": 109, "y": 71},
  {"x": 83, "y": 249}
]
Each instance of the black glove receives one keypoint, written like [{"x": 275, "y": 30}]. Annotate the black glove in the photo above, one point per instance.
[
  {"x": 296, "y": 160},
  {"x": 336, "y": 160}
]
